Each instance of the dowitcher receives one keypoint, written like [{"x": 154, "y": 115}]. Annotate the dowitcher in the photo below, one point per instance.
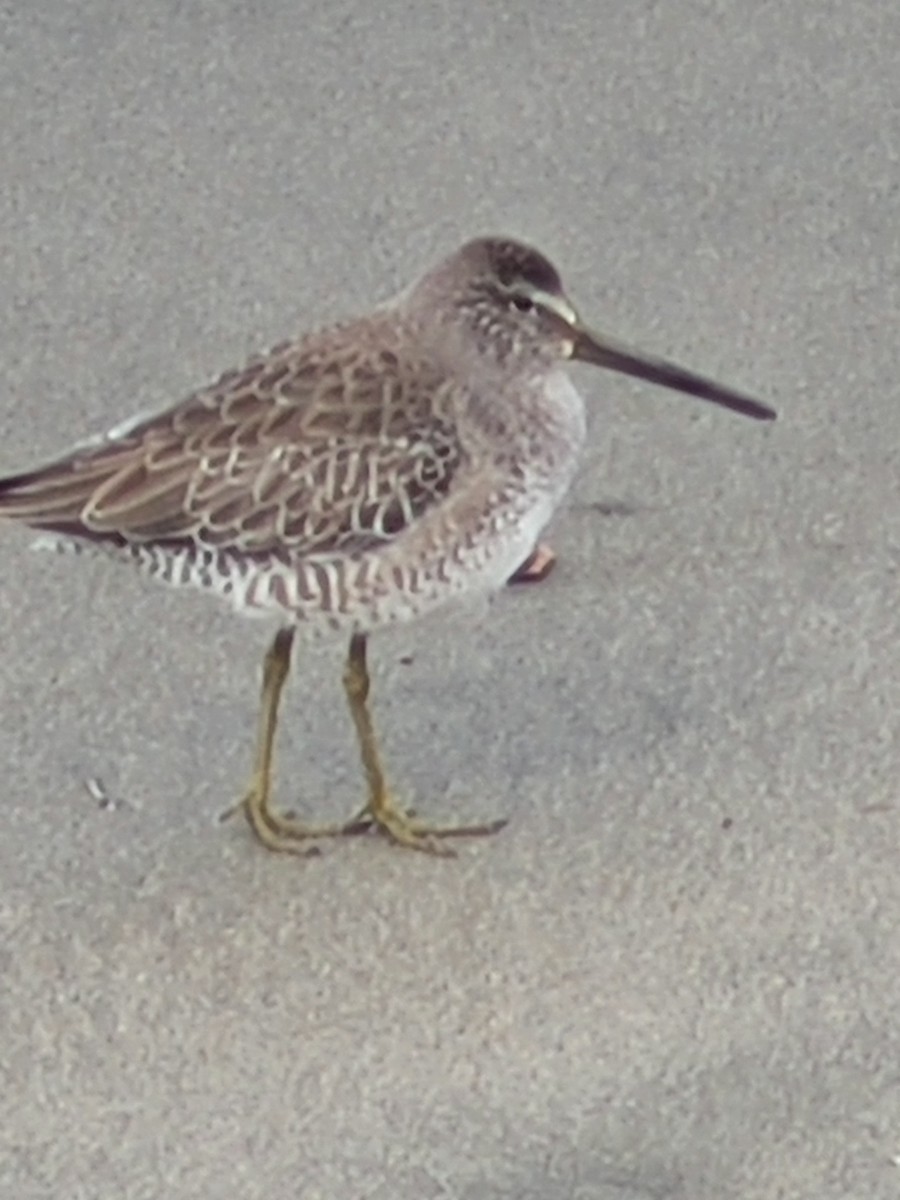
[{"x": 364, "y": 474}]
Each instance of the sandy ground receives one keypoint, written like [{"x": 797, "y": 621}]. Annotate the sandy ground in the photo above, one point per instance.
[{"x": 676, "y": 975}]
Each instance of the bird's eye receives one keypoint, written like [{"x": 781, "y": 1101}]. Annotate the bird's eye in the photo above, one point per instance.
[{"x": 522, "y": 303}]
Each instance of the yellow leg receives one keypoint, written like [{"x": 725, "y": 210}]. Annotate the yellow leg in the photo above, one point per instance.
[
  {"x": 281, "y": 831},
  {"x": 276, "y": 831},
  {"x": 381, "y": 809}
]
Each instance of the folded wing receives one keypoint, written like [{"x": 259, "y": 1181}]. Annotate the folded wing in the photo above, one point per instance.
[{"x": 305, "y": 451}]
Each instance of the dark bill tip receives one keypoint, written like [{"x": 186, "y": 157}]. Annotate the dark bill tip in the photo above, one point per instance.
[{"x": 614, "y": 356}]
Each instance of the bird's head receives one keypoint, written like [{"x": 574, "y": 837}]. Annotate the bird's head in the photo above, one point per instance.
[{"x": 507, "y": 302}]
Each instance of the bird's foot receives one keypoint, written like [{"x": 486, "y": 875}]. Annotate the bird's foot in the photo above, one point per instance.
[
  {"x": 385, "y": 816},
  {"x": 537, "y": 566},
  {"x": 277, "y": 831},
  {"x": 282, "y": 831}
]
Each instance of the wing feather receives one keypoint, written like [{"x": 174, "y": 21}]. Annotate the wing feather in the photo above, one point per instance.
[{"x": 317, "y": 446}]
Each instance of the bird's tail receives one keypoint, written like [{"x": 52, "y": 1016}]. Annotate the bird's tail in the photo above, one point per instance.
[{"x": 57, "y": 496}]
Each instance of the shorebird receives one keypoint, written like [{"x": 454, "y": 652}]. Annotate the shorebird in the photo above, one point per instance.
[{"x": 364, "y": 474}]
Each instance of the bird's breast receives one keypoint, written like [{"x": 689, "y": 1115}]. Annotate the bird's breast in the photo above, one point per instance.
[
  {"x": 535, "y": 426},
  {"x": 561, "y": 408},
  {"x": 546, "y": 436}
]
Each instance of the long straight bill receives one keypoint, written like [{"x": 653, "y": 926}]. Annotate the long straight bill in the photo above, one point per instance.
[{"x": 615, "y": 356}]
